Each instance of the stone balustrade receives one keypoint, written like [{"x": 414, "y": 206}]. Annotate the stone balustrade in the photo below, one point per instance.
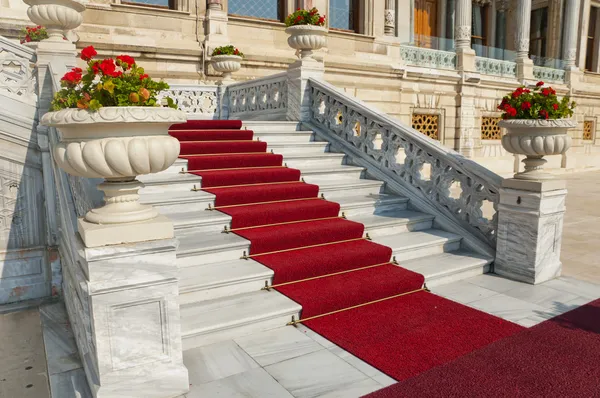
[{"x": 264, "y": 99}]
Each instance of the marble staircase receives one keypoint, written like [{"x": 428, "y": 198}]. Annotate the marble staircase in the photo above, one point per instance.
[{"x": 220, "y": 294}]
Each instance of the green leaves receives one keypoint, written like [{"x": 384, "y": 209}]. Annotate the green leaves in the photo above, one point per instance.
[
  {"x": 536, "y": 103},
  {"x": 305, "y": 17},
  {"x": 108, "y": 83},
  {"x": 227, "y": 50}
]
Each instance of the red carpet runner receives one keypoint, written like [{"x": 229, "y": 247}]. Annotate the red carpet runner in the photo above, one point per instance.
[
  {"x": 557, "y": 358},
  {"x": 301, "y": 236}
]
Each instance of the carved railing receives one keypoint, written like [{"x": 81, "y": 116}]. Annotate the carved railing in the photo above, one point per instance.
[
  {"x": 199, "y": 102},
  {"x": 264, "y": 99},
  {"x": 495, "y": 67},
  {"x": 549, "y": 74},
  {"x": 17, "y": 78},
  {"x": 422, "y": 165},
  {"x": 428, "y": 58}
]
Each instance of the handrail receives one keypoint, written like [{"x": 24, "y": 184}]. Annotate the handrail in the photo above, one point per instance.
[
  {"x": 264, "y": 98},
  {"x": 384, "y": 140}
]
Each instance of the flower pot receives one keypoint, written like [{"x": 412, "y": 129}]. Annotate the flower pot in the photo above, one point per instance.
[
  {"x": 117, "y": 144},
  {"x": 57, "y": 16},
  {"x": 536, "y": 139},
  {"x": 32, "y": 44},
  {"x": 227, "y": 64},
  {"x": 306, "y": 38}
]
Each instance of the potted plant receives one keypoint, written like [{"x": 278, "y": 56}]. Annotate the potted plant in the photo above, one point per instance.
[
  {"x": 112, "y": 127},
  {"x": 537, "y": 123},
  {"x": 227, "y": 59},
  {"x": 30, "y": 36},
  {"x": 57, "y": 17},
  {"x": 307, "y": 31}
]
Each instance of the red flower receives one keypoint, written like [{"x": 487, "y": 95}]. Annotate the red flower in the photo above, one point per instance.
[
  {"x": 540, "y": 84},
  {"x": 299, "y": 18},
  {"x": 517, "y": 93},
  {"x": 127, "y": 60},
  {"x": 236, "y": 52},
  {"x": 321, "y": 21},
  {"x": 552, "y": 91},
  {"x": 88, "y": 53},
  {"x": 27, "y": 39},
  {"x": 526, "y": 91},
  {"x": 95, "y": 68},
  {"x": 555, "y": 106},
  {"x": 511, "y": 111},
  {"x": 544, "y": 114},
  {"x": 546, "y": 92},
  {"x": 526, "y": 105},
  {"x": 77, "y": 70},
  {"x": 144, "y": 76},
  {"x": 117, "y": 74},
  {"x": 108, "y": 66},
  {"x": 71, "y": 77}
]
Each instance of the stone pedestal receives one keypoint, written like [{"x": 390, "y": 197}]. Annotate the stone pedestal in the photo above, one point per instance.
[
  {"x": 465, "y": 59},
  {"x": 298, "y": 90},
  {"x": 123, "y": 306},
  {"x": 524, "y": 69},
  {"x": 530, "y": 224}
]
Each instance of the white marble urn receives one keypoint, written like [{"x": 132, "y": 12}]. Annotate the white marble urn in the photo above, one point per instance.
[
  {"x": 227, "y": 64},
  {"x": 535, "y": 139},
  {"x": 307, "y": 38},
  {"x": 117, "y": 144},
  {"x": 57, "y": 16}
]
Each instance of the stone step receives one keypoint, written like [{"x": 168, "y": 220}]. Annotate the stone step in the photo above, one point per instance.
[
  {"x": 408, "y": 246},
  {"x": 211, "y": 321},
  {"x": 272, "y": 126},
  {"x": 172, "y": 181},
  {"x": 197, "y": 200},
  {"x": 197, "y": 247},
  {"x": 370, "y": 203},
  {"x": 179, "y": 165},
  {"x": 284, "y": 136},
  {"x": 211, "y": 281},
  {"x": 449, "y": 267},
  {"x": 394, "y": 222},
  {"x": 325, "y": 159},
  {"x": 333, "y": 172},
  {"x": 289, "y": 148}
]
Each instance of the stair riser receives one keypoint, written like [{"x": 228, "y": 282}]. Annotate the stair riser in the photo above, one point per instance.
[
  {"x": 372, "y": 208},
  {"x": 291, "y": 149},
  {"x": 230, "y": 289},
  {"x": 376, "y": 231},
  {"x": 341, "y": 192},
  {"x": 275, "y": 127},
  {"x": 211, "y": 337},
  {"x": 315, "y": 162},
  {"x": 174, "y": 186},
  {"x": 176, "y": 167},
  {"x": 457, "y": 276},
  {"x": 194, "y": 258},
  {"x": 200, "y": 203},
  {"x": 412, "y": 253},
  {"x": 297, "y": 136},
  {"x": 207, "y": 228}
]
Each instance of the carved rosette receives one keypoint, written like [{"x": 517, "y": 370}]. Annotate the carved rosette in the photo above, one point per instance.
[
  {"x": 117, "y": 144},
  {"x": 536, "y": 139},
  {"x": 58, "y": 16},
  {"x": 306, "y": 38},
  {"x": 227, "y": 64}
]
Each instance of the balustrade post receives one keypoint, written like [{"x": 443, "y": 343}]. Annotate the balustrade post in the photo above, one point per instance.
[
  {"x": 299, "y": 98},
  {"x": 530, "y": 225},
  {"x": 524, "y": 63}
]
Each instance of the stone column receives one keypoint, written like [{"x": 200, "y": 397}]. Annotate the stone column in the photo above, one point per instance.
[
  {"x": 214, "y": 5},
  {"x": 571, "y": 33},
  {"x": 524, "y": 63},
  {"x": 390, "y": 18},
  {"x": 462, "y": 35},
  {"x": 530, "y": 224}
]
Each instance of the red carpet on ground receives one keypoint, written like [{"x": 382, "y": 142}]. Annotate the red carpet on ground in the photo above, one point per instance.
[
  {"x": 556, "y": 358},
  {"x": 301, "y": 236}
]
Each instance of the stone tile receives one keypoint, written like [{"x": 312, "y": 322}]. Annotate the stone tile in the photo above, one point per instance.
[
  {"x": 530, "y": 321},
  {"x": 255, "y": 383},
  {"x": 541, "y": 295},
  {"x": 384, "y": 380},
  {"x": 321, "y": 374},
  {"x": 277, "y": 345},
  {"x": 463, "y": 292},
  {"x": 315, "y": 336},
  {"x": 71, "y": 384},
  {"x": 59, "y": 342},
  {"x": 216, "y": 361},
  {"x": 25, "y": 374},
  {"x": 356, "y": 362},
  {"x": 494, "y": 282},
  {"x": 576, "y": 286},
  {"x": 507, "y": 307}
]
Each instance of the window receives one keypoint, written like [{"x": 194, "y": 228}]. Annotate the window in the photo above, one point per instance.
[
  {"x": 343, "y": 15},
  {"x": 263, "y": 9},
  {"x": 591, "y": 40},
  {"x": 426, "y": 124},
  {"x": 425, "y": 23},
  {"x": 490, "y": 129},
  {"x": 479, "y": 28},
  {"x": 539, "y": 30},
  {"x": 169, "y": 4}
]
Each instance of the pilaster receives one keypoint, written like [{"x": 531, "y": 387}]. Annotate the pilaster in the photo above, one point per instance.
[
  {"x": 465, "y": 120},
  {"x": 530, "y": 224},
  {"x": 216, "y": 25}
]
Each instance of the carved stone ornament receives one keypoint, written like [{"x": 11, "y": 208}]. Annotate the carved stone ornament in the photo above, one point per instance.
[
  {"x": 117, "y": 144},
  {"x": 535, "y": 139},
  {"x": 462, "y": 33},
  {"x": 227, "y": 64},
  {"x": 58, "y": 16},
  {"x": 307, "y": 38}
]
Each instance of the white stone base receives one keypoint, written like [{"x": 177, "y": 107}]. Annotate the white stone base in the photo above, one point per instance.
[
  {"x": 530, "y": 224},
  {"x": 96, "y": 235}
]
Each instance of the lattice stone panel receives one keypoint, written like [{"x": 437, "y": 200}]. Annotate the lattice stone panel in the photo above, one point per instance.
[
  {"x": 588, "y": 130},
  {"x": 427, "y": 124},
  {"x": 490, "y": 129}
]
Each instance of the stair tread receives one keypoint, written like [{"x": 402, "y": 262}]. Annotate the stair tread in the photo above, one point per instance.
[
  {"x": 169, "y": 178},
  {"x": 204, "y": 276},
  {"x": 227, "y": 312},
  {"x": 175, "y": 196},
  {"x": 190, "y": 241},
  {"x": 391, "y": 217},
  {"x": 182, "y": 216},
  {"x": 342, "y": 168},
  {"x": 416, "y": 239},
  {"x": 439, "y": 265},
  {"x": 379, "y": 199}
]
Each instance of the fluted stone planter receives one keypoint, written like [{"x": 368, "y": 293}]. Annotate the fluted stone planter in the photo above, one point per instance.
[
  {"x": 536, "y": 139},
  {"x": 227, "y": 64},
  {"x": 306, "y": 39},
  {"x": 117, "y": 144},
  {"x": 57, "y": 16}
]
